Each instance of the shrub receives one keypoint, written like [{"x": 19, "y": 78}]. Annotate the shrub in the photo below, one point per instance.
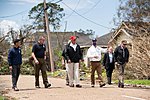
[{"x": 27, "y": 69}]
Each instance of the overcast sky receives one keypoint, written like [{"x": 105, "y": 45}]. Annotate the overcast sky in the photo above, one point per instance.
[{"x": 89, "y": 14}]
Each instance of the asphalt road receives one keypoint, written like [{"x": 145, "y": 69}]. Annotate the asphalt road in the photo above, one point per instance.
[{"x": 59, "y": 91}]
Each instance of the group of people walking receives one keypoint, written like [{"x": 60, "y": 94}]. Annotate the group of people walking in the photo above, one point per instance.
[{"x": 72, "y": 56}]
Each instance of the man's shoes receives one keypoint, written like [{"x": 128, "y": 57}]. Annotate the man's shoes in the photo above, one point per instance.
[
  {"x": 67, "y": 84},
  {"x": 15, "y": 89},
  {"x": 47, "y": 85},
  {"x": 37, "y": 87},
  {"x": 72, "y": 85},
  {"x": 103, "y": 84},
  {"x": 92, "y": 85},
  {"x": 122, "y": 85},
  {"x": 109, "y": 83},
  {"x": 78, "y": 86}
]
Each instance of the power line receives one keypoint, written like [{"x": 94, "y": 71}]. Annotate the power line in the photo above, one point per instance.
[
  {"x": 13, "y": 14},
  {"x": 92, "y": 7},
  {"x": 73, "y": 11},
  {"x": 86, "y": 18}
]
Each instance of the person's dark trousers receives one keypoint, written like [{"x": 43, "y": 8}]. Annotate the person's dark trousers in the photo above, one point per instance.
[
  {"x": 96, "y": 67},
  {"x": 109, "y": 75},
  {"x": 15, "y": 75},
  {"x": 41, "y": 66},
  {"x": 109, "y": 72}
]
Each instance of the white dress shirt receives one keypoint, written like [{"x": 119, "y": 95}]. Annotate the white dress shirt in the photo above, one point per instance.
[
  {"x": 95, "y": 51},
  {"x": 110, "y": 57},
  {"x": 74, "y": 46}
]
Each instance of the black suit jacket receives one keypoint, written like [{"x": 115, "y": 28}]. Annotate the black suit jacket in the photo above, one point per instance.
[{"x": 106, "y": 62}]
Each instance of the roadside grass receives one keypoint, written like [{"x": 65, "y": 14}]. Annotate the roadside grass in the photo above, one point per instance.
[
  {"x": 3, "y": 98},
  {"x": 136, "y": 82},
  {"x": 62, "y": 74}
]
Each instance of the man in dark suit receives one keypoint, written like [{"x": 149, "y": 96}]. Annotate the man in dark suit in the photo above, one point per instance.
[
  {"x": 109, "y": 64},
  {"x": 121, "y": 55}
]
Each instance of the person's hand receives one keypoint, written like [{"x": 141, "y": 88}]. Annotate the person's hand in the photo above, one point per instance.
[
  {"x": 36, "y": 62},
  {"x": 116, "y": 63},
  {"x": 10, "y": 68},
  {"x": 81, "y": 60},
  {"x": 44, "y": 57},
  {"x": 69, "y": 61},
  {"x": 63, "y": 64},
  {"x": 96, "y": 57}
]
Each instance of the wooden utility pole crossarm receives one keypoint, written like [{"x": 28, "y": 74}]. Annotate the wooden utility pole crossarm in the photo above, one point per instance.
[{"x": 49, "y": 38}]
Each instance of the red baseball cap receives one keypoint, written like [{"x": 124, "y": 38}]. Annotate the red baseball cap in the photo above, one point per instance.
[{"x": 72, "y": 38}]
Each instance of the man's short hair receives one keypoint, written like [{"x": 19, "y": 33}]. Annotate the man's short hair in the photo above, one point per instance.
[
  {"x": 41, "y": 37},
  {"x": 124, "y": 41},
  {"x": 16, "y": 40}
]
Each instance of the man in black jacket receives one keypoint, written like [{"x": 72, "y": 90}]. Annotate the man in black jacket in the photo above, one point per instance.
[
  {"x": 109, "y": 64},
  {"x": 121, "y": 55},
  {"x": 73, "y": 56},
  {"x": 15, "y": 60}
]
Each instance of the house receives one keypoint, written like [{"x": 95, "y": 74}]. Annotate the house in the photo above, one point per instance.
[{"x": 127, "y": 31}]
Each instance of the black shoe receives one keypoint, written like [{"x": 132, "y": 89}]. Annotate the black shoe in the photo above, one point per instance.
[
  {"x": 15, "y": 89},
  {"x": 92, "y": 85},
  {"x": 109, "y": 83},
  {"x": 37, "y": 87},
  {"x": 101, "y": 85},
  {"x": 78, "y": 86},
  {"x": 122, "y": 85},
  {"x": 67, "y": 84},
  {"x": 71, "y": 85},
  {"x": 47, "y": 85}
]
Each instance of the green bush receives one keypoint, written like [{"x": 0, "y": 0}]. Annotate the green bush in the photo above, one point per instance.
[
  {"x": 27, "y": 69},
  {"x": 58, "y": 60},
  {"x": 4, "y": 68}
]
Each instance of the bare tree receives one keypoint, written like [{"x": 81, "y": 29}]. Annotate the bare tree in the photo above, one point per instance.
[{"x": 139, "y": 62}]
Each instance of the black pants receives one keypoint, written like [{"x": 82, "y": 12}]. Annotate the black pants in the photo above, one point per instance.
[
  {"x": 15, "y": 75},
  {"x": 109, "y": 72}
]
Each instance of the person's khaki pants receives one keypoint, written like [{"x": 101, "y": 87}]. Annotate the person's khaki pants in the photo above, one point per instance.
[
  {"x": 120, "y": 69},
  {"x": 73, "y": 73},
  {"x": 96, "y": 66}
]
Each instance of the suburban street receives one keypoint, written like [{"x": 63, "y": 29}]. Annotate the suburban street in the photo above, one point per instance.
[{"x": 59, "y": 91}]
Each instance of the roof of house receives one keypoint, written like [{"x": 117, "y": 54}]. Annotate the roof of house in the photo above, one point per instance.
[
  {"x": 130, "y": 27},
  {"x": 102, "y": 40},
  {"x": 63, "y": 37}
]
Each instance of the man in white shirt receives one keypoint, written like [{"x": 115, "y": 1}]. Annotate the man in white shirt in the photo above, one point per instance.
[{"x": 94, "y": 55}]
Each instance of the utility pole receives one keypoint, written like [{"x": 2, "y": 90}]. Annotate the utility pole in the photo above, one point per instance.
[{"x": 49, "y": 38}]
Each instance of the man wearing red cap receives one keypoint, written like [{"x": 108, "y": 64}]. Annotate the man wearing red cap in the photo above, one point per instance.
[{"x": 73, "y": 55}]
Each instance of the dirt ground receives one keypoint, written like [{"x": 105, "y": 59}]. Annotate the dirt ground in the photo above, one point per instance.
[{"x": 59, "y": 91}]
